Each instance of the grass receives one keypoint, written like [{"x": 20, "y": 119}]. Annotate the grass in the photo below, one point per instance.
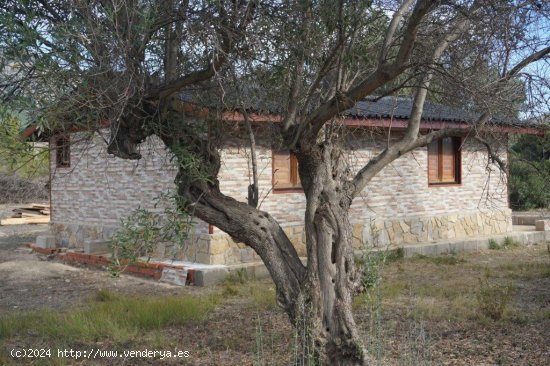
[
  {"x": 411, "y": 305},
  {"x": 448, "y": 260},
  {"x": 526, "y": 271},
  {"x": 260, "y": 296},
  {"x": 109, "y": 317},
  {"x": 507, "y": 243},
  {"x": 493, "y": 298}
]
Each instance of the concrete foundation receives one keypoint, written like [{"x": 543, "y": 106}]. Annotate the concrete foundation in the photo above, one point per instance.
[{"x": 206, "y": 276}]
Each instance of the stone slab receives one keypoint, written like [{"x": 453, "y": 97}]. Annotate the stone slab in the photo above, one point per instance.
[
  {"x": 468, "y": 244},
  {"x": 174, "y": 276},
  {"x": 210, "y": 277},
  {"x": 542, "y": 225},
  {"x": 96, "y": 246},
  {"x": 46, "y": 241}
]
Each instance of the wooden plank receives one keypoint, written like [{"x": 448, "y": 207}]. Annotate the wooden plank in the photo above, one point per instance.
[
  {"x": 40, "y": 206},
  {"x": 281, "y": 170},
  {"x": 26, "y": 220},
  {"x": 26, "y": 211},
  {"x": 24, "y": 214},
  {"x": 433, "y": 162},
  {"x": 448, "y": 163}
]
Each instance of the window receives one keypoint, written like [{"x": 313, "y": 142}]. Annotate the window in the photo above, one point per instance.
[
  {"x": 285, "y": 171},
  {"x": 444, "y": 165},
  {"x": 62, "y": 151}
]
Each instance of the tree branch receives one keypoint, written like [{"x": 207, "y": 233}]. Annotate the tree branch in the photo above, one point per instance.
[
  {"x": 384, "y": 73},
  {"x": 228, "y": 42}
]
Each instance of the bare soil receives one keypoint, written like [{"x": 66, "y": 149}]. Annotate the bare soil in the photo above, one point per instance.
[
  {"x": 30, "y": 281},
  {"x": 425, "y": 312}
]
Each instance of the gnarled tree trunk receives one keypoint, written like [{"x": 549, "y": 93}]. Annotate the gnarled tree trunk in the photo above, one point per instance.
[
  {"x": 331, "y": 268},
  {"x": 318, "y": 299}
]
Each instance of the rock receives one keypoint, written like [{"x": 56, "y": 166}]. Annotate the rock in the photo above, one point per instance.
[
  {"x": 416, "y": 227},
  {"x": 404, "y": 226},
  {"x": 218, "y": 247},
  {"x": 45, "y": 241}
]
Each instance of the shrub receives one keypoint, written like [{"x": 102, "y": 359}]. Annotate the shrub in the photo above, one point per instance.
[
  {"x": 493, "y": 298},
  {"x": 509, "y": 243},
  {"x": 493, "y": 245},
  {"x": 19, "y": 190}
]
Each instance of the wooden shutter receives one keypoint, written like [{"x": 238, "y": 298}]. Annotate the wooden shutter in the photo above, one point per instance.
[
  {"x": 295, "y": 177},
  {"x": 282, "y": 170},
  {"x": 448, "y": 161},
  {"x": 433, "y": 162}
]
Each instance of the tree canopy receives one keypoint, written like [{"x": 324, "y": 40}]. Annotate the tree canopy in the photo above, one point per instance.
[{"x": 130, "y": 63}]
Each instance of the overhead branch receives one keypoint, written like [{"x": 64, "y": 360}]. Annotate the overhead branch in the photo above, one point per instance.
[
  {"x": 527, "y": 61},
  {"x": 390, "y": 34},
  {"x": 392, "y": 152},
  {"x": 384, "y": 73},
  {"x": 492, "y": 155},
  {"x": 422, "y": 90},
  {"x": 229, "y": 38},
  {"x": 296, "y": 78}
]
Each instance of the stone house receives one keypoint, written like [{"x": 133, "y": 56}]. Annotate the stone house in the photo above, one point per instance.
[{"x": 449, "y": 189}]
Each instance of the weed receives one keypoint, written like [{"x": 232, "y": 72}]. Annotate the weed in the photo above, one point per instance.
[
  {"x": 507, "y": 243},
  {"x": 395, "y": 255},
  {"x": 230, "y": 289},
  {"x": 510, "y": 243},
  {"x": 232, "y": 282},
  {"x": 102, "y": 295},
  {"x": 418, "y": 347},
  {"x": 371, "y": 263},
  {"x": 492, "y": 298},
  {"x": 493, "y": 245}
]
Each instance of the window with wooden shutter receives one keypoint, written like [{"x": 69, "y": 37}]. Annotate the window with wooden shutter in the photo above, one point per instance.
[
  {"x": 285, "y": 171},
  {"x": 444, "y": 161},
  {"x": 63, "y": 151}
]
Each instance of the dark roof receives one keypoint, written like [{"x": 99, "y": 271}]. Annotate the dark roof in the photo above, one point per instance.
[
  {"x": 371, "y": 107},
  {"x": 400, "y": 108},
  {"x": 254, "y": 97}
]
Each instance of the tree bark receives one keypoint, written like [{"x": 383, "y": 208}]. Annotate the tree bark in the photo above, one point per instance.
[
  {"x": 317, "y": 299},
  {"x": 331, "y": 268}
]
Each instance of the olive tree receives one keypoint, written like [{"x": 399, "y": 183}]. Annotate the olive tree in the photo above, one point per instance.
[{"x": 129, "y": 63}]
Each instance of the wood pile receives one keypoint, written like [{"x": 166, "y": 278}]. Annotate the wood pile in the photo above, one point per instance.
[{"x": 33, "y": 214}]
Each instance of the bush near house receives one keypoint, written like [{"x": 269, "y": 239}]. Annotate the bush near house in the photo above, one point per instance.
[
  {"x": 18, "y": 190},
  {"x": 530, "y": 172}
]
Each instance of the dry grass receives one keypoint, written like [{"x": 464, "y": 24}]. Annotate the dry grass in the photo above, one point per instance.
[
  {"x": 424, "y": 311},
  {"x": 107, "y": 318},
  {"x": 492, "y": 304}
]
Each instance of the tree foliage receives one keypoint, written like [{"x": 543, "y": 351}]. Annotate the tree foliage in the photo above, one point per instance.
[
  {"x": 530, "y": 172},
  {"x": 17, "y": 156},
  {"x": 136, "y": 64}
]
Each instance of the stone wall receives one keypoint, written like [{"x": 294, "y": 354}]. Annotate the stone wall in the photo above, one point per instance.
[
  {"x": 90, "y": 197},
  {"x": 398, "y": 207}
]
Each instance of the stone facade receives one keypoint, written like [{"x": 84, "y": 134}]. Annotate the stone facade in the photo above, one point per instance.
[{"x": 397, "y": 208}]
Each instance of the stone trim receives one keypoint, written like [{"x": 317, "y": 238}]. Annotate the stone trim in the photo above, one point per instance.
[{"x": 219, "y": 248}]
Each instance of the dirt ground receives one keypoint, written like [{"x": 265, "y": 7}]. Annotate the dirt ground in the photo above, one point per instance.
[
  {"x": 31, "y": 281},
  {"x": 425, "y": 312}
]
